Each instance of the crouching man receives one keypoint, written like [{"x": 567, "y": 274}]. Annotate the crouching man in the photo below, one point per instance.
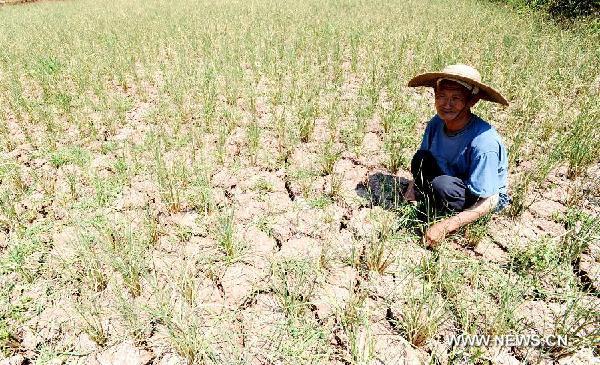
[{"x": 461, "y": 166}]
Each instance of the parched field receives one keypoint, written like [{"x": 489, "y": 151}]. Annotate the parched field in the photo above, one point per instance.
[{"x": 189, "y": 182}]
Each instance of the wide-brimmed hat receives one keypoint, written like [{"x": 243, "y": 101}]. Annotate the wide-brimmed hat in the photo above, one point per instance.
[{"x": 464, "y": 75}]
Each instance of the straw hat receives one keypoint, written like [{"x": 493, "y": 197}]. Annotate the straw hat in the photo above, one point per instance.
[{"x": 465, "y": 75}]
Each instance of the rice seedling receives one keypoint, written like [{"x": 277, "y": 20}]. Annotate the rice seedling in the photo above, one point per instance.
[
  {"x": 166, "y": 179},
  {"x": 10, "y": 217},
  {"x": 65, "y": 156},
  {"x": 519, "y": 196},
  {"x": 378, "y": 255},
  {"x": 153, "y": 231},
  {"x": 421, "y": 315},
  {"x": 320, "y": 202},
  {"x": 476, "y": 231},
  {"x": 128, "y": 258},
  {"x": 226, "y": 235},
  {"x": 134, "y": 318},
  {"x": 221, "y": 143},
  {"x": 253, "y": 135},
  {"x": 379, "y": 249},
  {"x": 25, "y": 253},
  {"x": 293, "y": 282},
  {"x": 186, "y": 335},
  {"x": 580, "y": 144},
  {"x": 187, "y": 285},
  {"x": 285, "y": 141},
  {"x": 582, "y": 230},
  {"x": 308, "y": 113},
  {"x": 305, "y": 180},
  {"x": 11, "y": 314},
  {"x": 335, "y": 185},
  {"x": 92, "y": 270},
  {"x": 508, "y": 293},
  {"x": 353, "y": 136},
  {"x": 93, "y": 321},
  {"x": 545, "y": 265},
  {"x": 578, "y": 323},
  {"x": 353, "y": 320},
  {"x": 300, "y": 342},
  {"x": 329, "y": 156},
  {"x": 398, "y": 129}
]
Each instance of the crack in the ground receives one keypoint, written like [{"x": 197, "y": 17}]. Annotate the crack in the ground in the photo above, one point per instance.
[
  {"x": 340, "y": 344},
  {"x": 586, "y": 282},
  {"x": 43, "y": 211},
  {"x": 519, "y": 356},
  {"x": 219, "y": 286},
  {"x": 499, "y": 244},
  {"x": 216, "y": 280},
  {"x": 344, "y": 222},
  {"x": 240, "y": 322},
  {"x": 250, "y": 300},
  {"x": 288, "y": 188},
  {"x": 363, "y": 271},
  {"x": 354, "y": 161},
  {"x": 313, "y": 308},
  {"x": 391, "y": 319},
  {"x": 152, "y": 331},
  {"x": 341, "y": 350},
  {"x": 278, "y": 242}
]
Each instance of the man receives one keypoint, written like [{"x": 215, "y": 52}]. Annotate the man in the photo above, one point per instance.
[{"x": 462, "y": 164}]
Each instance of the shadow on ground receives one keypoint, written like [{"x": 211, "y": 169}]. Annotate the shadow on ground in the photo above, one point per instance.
[{"x": 384, "y": 190}]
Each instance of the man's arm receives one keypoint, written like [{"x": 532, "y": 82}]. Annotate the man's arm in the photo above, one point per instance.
[{"x": 438, "y": 231}]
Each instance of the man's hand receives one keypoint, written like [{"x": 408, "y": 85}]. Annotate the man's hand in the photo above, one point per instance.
[
  {"x": 435, "y": 234},
  {"x": 409, "y": 194},
  {"x": 438, "y": 231}
]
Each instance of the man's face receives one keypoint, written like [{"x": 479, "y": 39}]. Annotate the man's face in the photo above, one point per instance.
[{"x": 450, "y": 100}]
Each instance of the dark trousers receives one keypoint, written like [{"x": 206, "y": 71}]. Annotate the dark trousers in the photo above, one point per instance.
[{"x": 445, "y": 192}]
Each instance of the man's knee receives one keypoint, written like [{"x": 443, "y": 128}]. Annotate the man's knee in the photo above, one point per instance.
[
  {"x": 445, "y": 186},
  {"x": 449, "y": 191}
]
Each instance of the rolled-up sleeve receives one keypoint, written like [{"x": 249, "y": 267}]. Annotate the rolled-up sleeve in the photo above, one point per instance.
[{"x": 483, "y": 175}]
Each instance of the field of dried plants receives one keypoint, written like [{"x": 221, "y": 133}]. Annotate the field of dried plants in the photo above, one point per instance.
[{"x": 189, "y": 182}]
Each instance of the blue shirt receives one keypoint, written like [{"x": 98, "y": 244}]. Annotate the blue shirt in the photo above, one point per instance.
[{"x": 475, "y": 154}]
